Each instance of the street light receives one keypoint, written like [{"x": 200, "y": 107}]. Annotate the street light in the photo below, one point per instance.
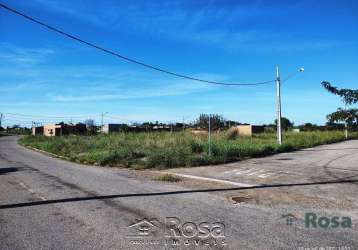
[{"x": 278, "y": 92}]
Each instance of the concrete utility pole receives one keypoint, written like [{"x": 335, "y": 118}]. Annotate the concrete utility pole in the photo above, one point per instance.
[
  {"x": 183, "y": 124},
  {"x": 346, "y": 125},
  {"x": 278, "y": 89},
  {"x": 209, "y": 135},
  {"x": 102, "y": 122},
  {"x": 102, "y": 115}
]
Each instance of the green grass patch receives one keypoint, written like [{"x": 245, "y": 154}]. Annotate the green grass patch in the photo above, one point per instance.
[
  {"x": 164, "y": 150},
  {"x": 167, "y": 178}
]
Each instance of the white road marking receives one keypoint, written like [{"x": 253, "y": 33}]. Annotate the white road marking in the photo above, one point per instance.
[
  {"x": 31, "y": 191},
  {"x": 212, "y": 179},
  {"x": 261, "y": 173},
  {"x": 255, "y": 172},
  {"x": 265, "y": 175},
  {"x": 230, "y": 171},
  {"x": 239, "y": 172}
]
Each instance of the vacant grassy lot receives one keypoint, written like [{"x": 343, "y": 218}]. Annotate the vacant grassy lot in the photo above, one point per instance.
[{"x": 168, "y": 150}]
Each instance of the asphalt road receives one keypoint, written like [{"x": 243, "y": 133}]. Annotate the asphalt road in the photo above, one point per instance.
[{"x": 48, "y": 203}]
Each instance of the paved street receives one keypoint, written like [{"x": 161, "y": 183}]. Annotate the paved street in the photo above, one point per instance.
[
  {"x": 323, "y": 163},
  {"x": 48, "y": 203}
]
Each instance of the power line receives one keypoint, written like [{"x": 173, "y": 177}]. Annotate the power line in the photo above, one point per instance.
[
  {"x": 292, "y": 75},
  {"x": 43, "y": 118},
  {"x": 78, "y": 39},
  {"x": 51, "y": 117}
]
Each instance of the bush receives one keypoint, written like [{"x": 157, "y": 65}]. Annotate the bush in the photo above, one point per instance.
[
  {"x": 232, "y": 134},
  {"x": 168, "y": 178}
]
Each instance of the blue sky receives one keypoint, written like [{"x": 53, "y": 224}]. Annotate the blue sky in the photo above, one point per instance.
[{"x": 44, "y": 74}]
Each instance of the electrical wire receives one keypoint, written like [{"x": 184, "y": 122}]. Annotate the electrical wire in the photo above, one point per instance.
[
  {"x": 78, "y": 39},
  {"x": 51, "y": 117},
  {"x": 289, "y": 76}
]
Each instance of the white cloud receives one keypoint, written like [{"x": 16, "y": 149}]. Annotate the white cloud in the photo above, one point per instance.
[
  {"x": 100, "y": 93},
  {"x": 24, "y": 56}
]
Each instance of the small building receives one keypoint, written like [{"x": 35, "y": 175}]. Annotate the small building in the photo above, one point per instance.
[
  {"x": 37, "y": 130},
  {"x": 79, "y": 129},
  {"x": 64, "y": 129},
  {"x": 52, "y": 130},
  {"x": 198, "y": 131},
  {"x": 249, "y": 130},
  {"x": 110, "y": 128}
]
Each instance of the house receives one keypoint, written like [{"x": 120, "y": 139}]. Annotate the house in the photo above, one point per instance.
[
  {"x": 52, "y": 130},
  {"x": 64, "y": 129},
  {"x": 79, "y": 129},
  {"x": 198, "y": 131},
  {"x": 37, "y": 130},
  {"x": 249, "y": 130},
  {"x": 110, "y": 128}
]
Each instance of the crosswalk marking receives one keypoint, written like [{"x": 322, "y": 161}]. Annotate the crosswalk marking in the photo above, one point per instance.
[{"x": 261, "y": 173}]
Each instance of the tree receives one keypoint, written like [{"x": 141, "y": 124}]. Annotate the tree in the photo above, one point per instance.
[
  {"x": 350, "y": 116},
  {"x": 309, "y": 127},
  {"x": 216, "y": 121},
  {"x": 231, "y": 123},
  {"x": 285, "y": 123},
  {"x": 349, "y": 97}
]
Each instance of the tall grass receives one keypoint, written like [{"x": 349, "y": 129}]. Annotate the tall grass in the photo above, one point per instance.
[{"x": 168, "y": 150}]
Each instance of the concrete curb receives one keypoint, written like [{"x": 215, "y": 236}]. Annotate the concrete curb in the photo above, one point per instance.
[
  {"x": 60, "y": 156},
  {"x": 46, "y": 153}
]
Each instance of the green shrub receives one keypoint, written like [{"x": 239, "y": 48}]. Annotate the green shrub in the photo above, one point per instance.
[
  {"x": 232, "y": 134},
  {"x": 168, "y": 178}
]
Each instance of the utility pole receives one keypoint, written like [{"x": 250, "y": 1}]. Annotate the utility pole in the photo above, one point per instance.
[
  {"x": 278, "y": 89},
  {"x": 209, "y": 135},
  {"x": 1, "y": 119},
  {"x": 102, "y": 122},
  {"x": 346, "y": 125},
  {"x": 102, "y": 115},
  {"x": 183, "y": 124}
]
